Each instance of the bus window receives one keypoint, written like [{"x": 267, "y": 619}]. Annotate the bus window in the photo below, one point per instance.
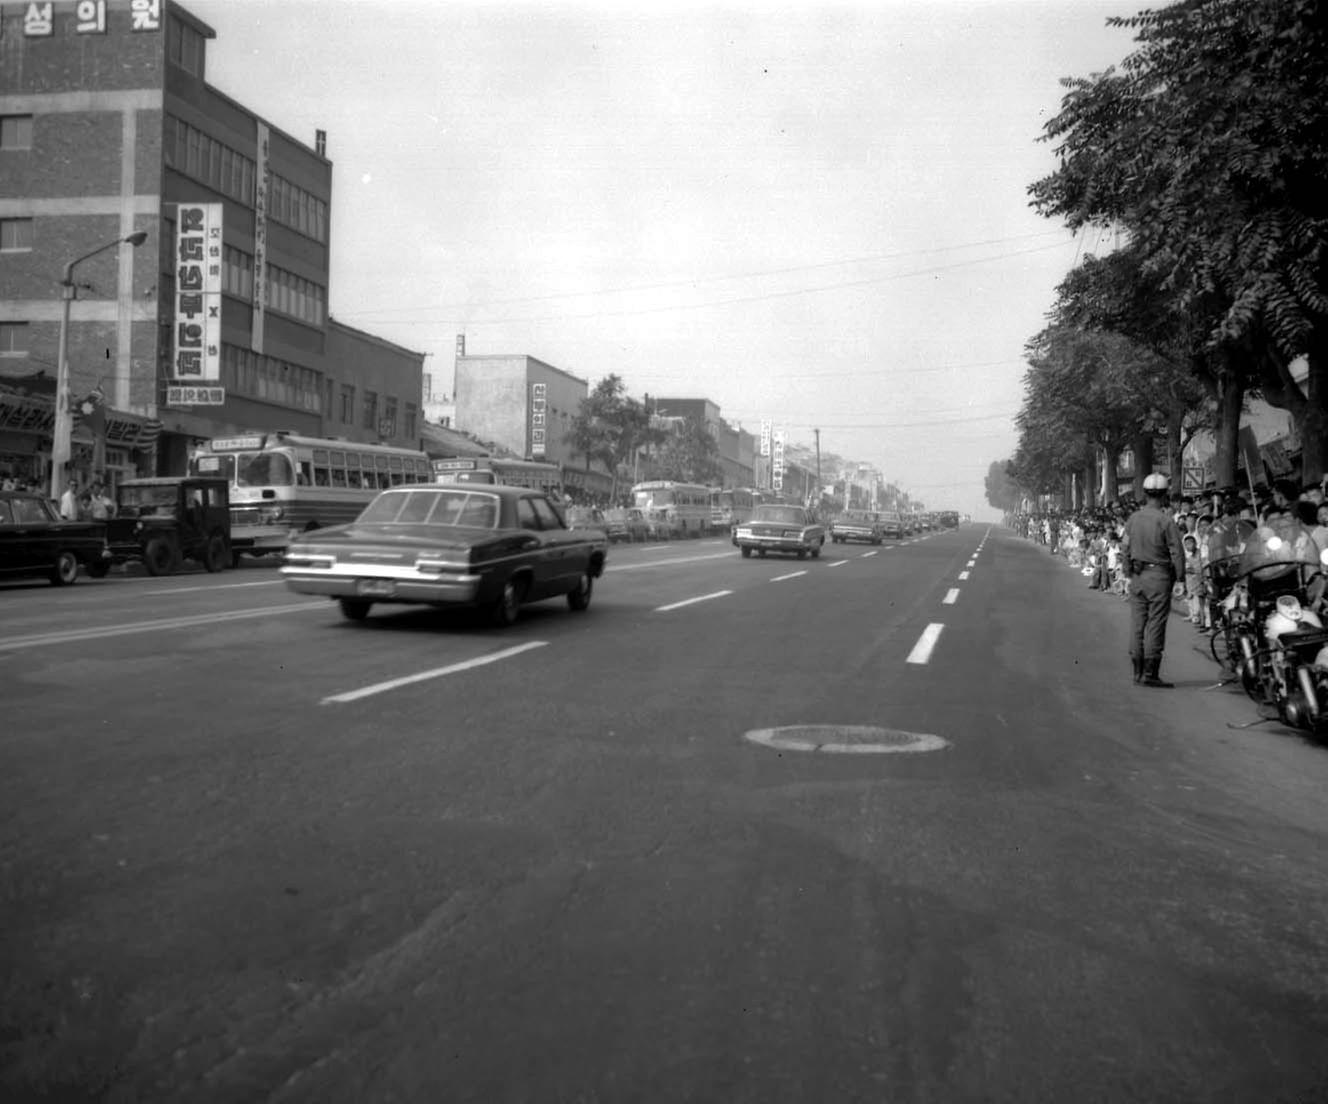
[
  {"x": 264, "y": 469},
  {"x": 353, "y": 470},
  {"x": 304, "y": 476}
]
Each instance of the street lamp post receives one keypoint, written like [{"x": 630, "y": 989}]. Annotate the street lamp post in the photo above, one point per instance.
[{"x": 61, "y": 444}]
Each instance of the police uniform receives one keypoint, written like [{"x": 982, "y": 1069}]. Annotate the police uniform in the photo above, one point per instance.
[{"x": 1154, "y": 560}]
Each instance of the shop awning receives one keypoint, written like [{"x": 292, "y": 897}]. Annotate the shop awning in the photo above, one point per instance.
[{"x": 36, "y": 414}]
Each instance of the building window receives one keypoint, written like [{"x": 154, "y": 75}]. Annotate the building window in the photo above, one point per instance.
[
  {"x": 237, "y": 273},
  {"x": 292, "y": 206},
  {"x": 15, "y": 132},
  {"x": 389, "y": 416},
  {"x": 13, "y": 339},
  {"x": 412, "y": 421},
  {"x": 188, "y": 150},
  {"x": 371, "y": 410},
  {"x": 184, "y": 47},
  {"x": 16, "y": 233},
  {"x": 296, "y": 296},
  {"x": 347, "y": 404}
]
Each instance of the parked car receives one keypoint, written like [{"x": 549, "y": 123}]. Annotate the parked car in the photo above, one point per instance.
[
  {"x": 586, "y": 517},
  {"x": 775, "y": 528},
  {"x": 627, "y": 523},
  {"x": 165, "y": 520},
  {"x": 494, "y": 548},
  {"x": 661, "y": 527},
  {"x": 36, "y": 542},
  {"x": 855, "y": 525}
]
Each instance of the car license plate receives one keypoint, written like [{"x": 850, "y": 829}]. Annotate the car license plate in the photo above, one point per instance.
[{"x": 376, "y": 588}]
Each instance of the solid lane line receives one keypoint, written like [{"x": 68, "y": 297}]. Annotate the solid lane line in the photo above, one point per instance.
[
  {"x": 922, "y": 650},
  {"x": 792, "y": 575},
  {"x": 74, "y": 636},
  {"x": 950, "y": 596},
  {"x": 692, "y": 601},
  {"x": 221, "y": 586},
  {"x": 437, "y": 672}
]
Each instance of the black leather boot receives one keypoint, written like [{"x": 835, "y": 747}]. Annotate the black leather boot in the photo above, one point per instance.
[
  {"x": 1151, "y": 676},
  {"x": 1138, "y": 664}
]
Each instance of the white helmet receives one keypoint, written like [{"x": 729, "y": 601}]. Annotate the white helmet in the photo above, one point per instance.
[{"x": 1155, "y": 482}]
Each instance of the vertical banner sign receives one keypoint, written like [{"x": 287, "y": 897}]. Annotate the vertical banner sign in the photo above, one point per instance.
[
  {"x": 539, "y": 393},
  {"x": 196, "y": 358},
  {"x": 765, "y": 437},
  {"x": 777, "y": 460},
  {"x": 260, "y": 236}
]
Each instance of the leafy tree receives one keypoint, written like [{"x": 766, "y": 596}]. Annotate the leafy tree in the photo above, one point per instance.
[
  {"x": 610, "y": 426},
  {"x": 690, "y": 455},
  {"x": 1003, "y": 492},
  {"x": 1208, "y": 147}
]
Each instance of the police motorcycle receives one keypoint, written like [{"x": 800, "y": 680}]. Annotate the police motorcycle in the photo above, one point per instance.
[
  {"x": 1281, "y": 574},
  {"x": 1233, "y": 633}
]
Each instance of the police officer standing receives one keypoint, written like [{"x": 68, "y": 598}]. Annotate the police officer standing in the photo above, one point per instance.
[{"x": 1154, "y": 560}]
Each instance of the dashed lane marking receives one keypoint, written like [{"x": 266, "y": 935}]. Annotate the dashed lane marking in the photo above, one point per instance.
[
  {"x": 692, "y": 601},
  {"x": 676, "y": 560},
  {"x": 219, "y": 586},
  {"x": 950, "y": 596},
  {"x": 871, "y": 553},
  {"x": 837, "y": 563},
  {"x": 790, "y": 575},
  {"x": 437, "y": 672},
  {"x": 922, "y": 650},
  {"x": 74, "y": 636},
  {"x": 963, "y": 575}
]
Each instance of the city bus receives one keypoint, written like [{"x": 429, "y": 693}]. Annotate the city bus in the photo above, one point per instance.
[
  {"x": 282, "y": 483},
  {"x": 686, "y": 506},
  {"x": 534, "y": 474},
  {"x": 731, "y": 506}
]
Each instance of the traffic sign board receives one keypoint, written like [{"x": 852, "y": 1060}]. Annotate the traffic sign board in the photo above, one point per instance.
[
  {"x": 1192, "y": 480},
  {"x": 195, "y": 396}
]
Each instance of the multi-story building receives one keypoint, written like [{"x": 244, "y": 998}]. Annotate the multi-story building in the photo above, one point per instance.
[
  {"x": 218, "y": 321},
  {"x": 737, "y": 447},
  {"x": 526, "y": 407}
]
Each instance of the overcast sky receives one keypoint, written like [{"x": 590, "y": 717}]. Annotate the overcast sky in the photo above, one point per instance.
[{"x": 809, "y": 212}]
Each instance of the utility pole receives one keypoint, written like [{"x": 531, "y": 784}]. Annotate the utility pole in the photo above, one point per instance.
[{"x": 817, "y": 432}]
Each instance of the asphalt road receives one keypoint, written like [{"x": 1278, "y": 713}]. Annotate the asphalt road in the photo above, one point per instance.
[{"x": 251, "y": 851}]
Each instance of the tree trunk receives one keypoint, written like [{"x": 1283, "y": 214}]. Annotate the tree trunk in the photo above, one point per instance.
[
  {"x": 1230, "y": 402},
  {"x": 1110, "y": 464},
  {"x": 1142, "y": 447},
  {"x": 1313, "y": 429},
  {"x": 1177, "y": 440},
  {"x": 1090, "y": 484}
]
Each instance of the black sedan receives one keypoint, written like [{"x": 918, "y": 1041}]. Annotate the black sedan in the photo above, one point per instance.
[
  {"x": 36, "y": 541},
  {"x": 491, "y": 547}
]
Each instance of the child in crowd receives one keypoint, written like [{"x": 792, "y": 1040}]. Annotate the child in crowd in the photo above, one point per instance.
[{"x": 1193, "y": 579}]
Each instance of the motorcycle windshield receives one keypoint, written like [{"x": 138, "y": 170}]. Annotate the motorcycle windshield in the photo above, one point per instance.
[
  {"x": 1270, "y": 550},
  {"x": 1225, "y": 542}
]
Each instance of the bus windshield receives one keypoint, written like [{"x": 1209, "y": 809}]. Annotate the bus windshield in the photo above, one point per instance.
[
  {"x": 647, "y": 499},
  {"x": 264, "y": 469}
]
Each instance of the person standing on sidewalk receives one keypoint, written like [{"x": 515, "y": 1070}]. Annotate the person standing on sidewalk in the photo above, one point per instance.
[{"x": 1155, "y": 560}]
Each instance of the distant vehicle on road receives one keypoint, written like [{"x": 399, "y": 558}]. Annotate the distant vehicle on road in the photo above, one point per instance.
[
  {"x": 491, "y": 547},
  {"x": 858, "y": 525},
  {"x": 36, "y": 542},
  {"x": 537, "y": 475},
  {"x": 949, "y": 519},
  {"x": 787, "y": 529},
  {"x": 164, "y": 520},
  {"x": 686, "y": 506},
  {"x": 283, "y": 483},
  {"x": 626, "y": 523},
  {"x": 892, "y": 524}
]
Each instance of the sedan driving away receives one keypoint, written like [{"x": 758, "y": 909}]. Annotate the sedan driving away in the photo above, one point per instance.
[{"x": 495, "y": 549}]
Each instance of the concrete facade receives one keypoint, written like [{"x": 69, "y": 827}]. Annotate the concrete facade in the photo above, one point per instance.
[{"x": 121, "y": 128}]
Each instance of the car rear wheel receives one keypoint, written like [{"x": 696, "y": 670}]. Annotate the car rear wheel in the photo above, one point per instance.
[
  {"x": 99, "y": 569},
  {"x": 746, "y": 553},
  {"x": 508, "y": 606},
  {"x": 65, "y": 571},
  {"x": 214, "y": 553},
  {"x": 816, "y": 552},
  {"x": 579, "y": 599},
  {"x": 802, "y": 553},
  {"x": 159, "y": 557},
  {"x": 354, "y": 609}
]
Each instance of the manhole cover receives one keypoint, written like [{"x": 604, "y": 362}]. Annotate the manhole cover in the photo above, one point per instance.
[{"x": 844, "y": 739}]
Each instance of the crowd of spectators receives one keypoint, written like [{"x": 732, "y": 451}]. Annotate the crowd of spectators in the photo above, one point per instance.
[{"x": 1091, "y": 538}]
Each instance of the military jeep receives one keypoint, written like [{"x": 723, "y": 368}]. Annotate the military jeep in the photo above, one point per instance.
[{"x": 168, "y": 519}]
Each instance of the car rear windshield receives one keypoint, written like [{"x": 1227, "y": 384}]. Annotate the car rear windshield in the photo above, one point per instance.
[
  {"x": 785, "y": 515},
  {"x": 434, "y": 507}
]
